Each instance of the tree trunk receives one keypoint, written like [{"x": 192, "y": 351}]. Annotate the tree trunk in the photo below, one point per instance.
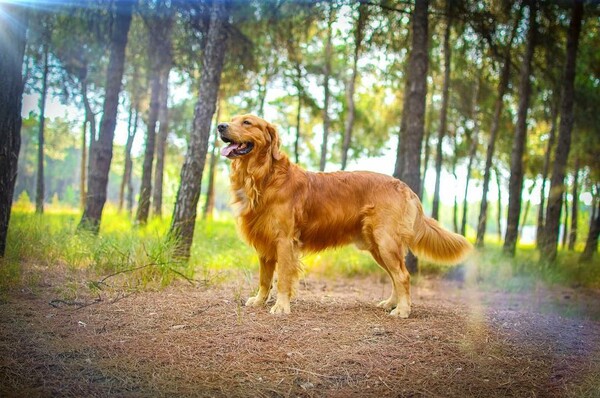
[
  {"x": 83, "y": 167},
  {"x": 547, "y": 156},
  {"x": 130, "y": 193},
  {"x": 358, "y": 37},
  {"x": 408, "y": 160},
  {"x": 564, "y": 138},
  {"x": 298, "y": 118},
  {"x": 591, "y": 243},
  {"x": 435, "y": 208},
  {"x": 526, "y": 211},
  {"x": 131, "y": 132},
  {"x": 326, "y": 76},
  {"x": 455, "y": 207},
  {"x": 499, "y": 105},
  {"x": 515, "y": 183},
  {"x": 102, "y": 149},
  {"x": 472, "y": 153},
  {"x": 161, "y": 147},
  {"x": 39, "y": 197},
  {"x": 12, "y": 49},
  {"x": 209, "y": 206},
  {"x": 143, "y": 209},
  {"x": 499, "y": 215},
  {"x": 565, "y": 223},
  {"x": 166, "y": 63},
  {"x": 184, "y": 214},
  {"x": 426, "y": 142},
  {"x": 575, "y": 207}
]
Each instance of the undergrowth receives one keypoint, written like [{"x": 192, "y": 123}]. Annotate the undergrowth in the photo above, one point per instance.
[{"x": 145, "y": 259}]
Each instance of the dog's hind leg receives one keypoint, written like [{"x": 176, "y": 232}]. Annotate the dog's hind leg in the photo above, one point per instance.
[
  {"x": 390, "y": 256},
  {"x": 266, "y": 270}
]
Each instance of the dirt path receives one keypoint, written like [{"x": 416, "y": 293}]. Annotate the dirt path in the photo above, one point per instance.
[{"x": 200, "y": 341}]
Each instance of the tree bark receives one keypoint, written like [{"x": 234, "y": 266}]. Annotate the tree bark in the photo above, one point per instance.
[
  {"x": 499, "y": 215},
  {"x": 12, "y": 49},
  {"x": 298, "y": 120},
  {"x": 575, "y": 207},
  {"x": 166, "y": 63},
  {"x": 161, "y": 147},
  {"x": 472, "y": 153},
  {"x": 39, "y": 197},
  {"x": 130, "y": 193},
  {"x": 326, "y": 76},
  {"x": 498, "y": 107},
  {"x": 435, "y": 208},
  {"x": 455, "y": 207},
  {"x": 547, "y": 156},
  {"x": 143, "y": 209},
  {"x": 408, "y": 161},
  {"x": 127, "y": 169},
  {"x": 349, "y": 125},
  {"x": 102, "y": 149},
  {"x": 426, "y": 142},
  {"x": 526, "y": 211},
  {"x": 184, "y": 214},
  {"x": 563, "y": 147},
  {"x": 591, "y": 243},
  {"x": 515, "y": 183},
  {"x": 209, "y": 206},
  {"x": 83, "y": 166},
  {"x": 565, "y": 223}
]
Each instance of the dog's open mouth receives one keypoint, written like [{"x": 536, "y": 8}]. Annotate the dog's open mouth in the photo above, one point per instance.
[{"x": 235, "y": 149}]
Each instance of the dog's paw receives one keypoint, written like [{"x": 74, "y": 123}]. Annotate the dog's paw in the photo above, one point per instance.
[
  {"x": 401, "y": 312},
  {"x": 387, "y": 304},
  {"x": 255, "y": 301},
  {"x": 280, "y": 308}
]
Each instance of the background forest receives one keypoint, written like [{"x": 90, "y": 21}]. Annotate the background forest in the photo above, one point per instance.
[
  {"x": 121, "y": 271},
  {"x": 508, "y": 142}
]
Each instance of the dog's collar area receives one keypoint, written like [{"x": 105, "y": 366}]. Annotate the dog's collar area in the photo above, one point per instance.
[{"x": 235, "y": 149}]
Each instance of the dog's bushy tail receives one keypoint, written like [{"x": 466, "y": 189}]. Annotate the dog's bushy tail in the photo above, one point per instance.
[{"x": 434, "y": 243}]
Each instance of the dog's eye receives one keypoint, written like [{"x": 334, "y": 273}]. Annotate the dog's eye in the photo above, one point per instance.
[{"x": 247, "y": 122}]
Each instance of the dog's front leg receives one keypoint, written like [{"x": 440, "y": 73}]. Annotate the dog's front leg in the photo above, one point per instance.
[
  {"x": 265, "y": 273},
  {"x": 288, "y": 269}
]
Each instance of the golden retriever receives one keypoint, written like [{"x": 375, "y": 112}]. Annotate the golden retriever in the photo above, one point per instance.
[{"x": 283, "y": 209}]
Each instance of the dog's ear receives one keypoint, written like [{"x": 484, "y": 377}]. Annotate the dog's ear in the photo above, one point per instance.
[{"x": 274, "y": 141}]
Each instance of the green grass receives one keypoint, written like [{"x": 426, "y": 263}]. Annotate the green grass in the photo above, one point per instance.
[{"x": 145, "y": 259}]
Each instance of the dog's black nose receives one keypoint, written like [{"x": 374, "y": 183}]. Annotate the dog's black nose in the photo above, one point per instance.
[{"x": 222, "y": 127}]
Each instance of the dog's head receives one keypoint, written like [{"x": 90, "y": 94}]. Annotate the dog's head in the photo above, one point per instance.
[{"x": 249, "y": 136}]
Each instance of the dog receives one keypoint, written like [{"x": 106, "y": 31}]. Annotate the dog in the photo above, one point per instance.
[{"x": 283, "y": 210}]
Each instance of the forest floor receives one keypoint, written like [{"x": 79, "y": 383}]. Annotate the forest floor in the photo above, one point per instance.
[{"x": 200, "y": 340}]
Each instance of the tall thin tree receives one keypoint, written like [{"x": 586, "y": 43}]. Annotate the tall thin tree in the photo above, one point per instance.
[
  {"x": 408, "y": 160},
  {"x": 166, "y": 54},
  {"x": 13, "y": 24},
  {"x": 495, "y": 126},
  {"x": 591, "y": 243},
  {"x": 472, "y": 150},
  {"x": 39, "y": 192},
  {"x": 574, "y": 207},
  {"x": 361, "y": 22},
  {"x": 326, "y": 87},
  {"x": 184, "y": 214},
  {"x": 101, "y": 149},
  {"x": 435, "y": 208},
  {"x": 515, "y": 184},
  {"x": 546, "y": 169},
  {"x": 154, "y": 57},
  {"x": 551, "y": 226}
]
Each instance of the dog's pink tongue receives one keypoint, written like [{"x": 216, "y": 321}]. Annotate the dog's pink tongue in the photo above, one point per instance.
[{"x": 226, "y": 151}]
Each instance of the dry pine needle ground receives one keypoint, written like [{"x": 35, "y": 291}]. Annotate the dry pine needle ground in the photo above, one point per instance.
[{"x": 201, "y": 341}]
